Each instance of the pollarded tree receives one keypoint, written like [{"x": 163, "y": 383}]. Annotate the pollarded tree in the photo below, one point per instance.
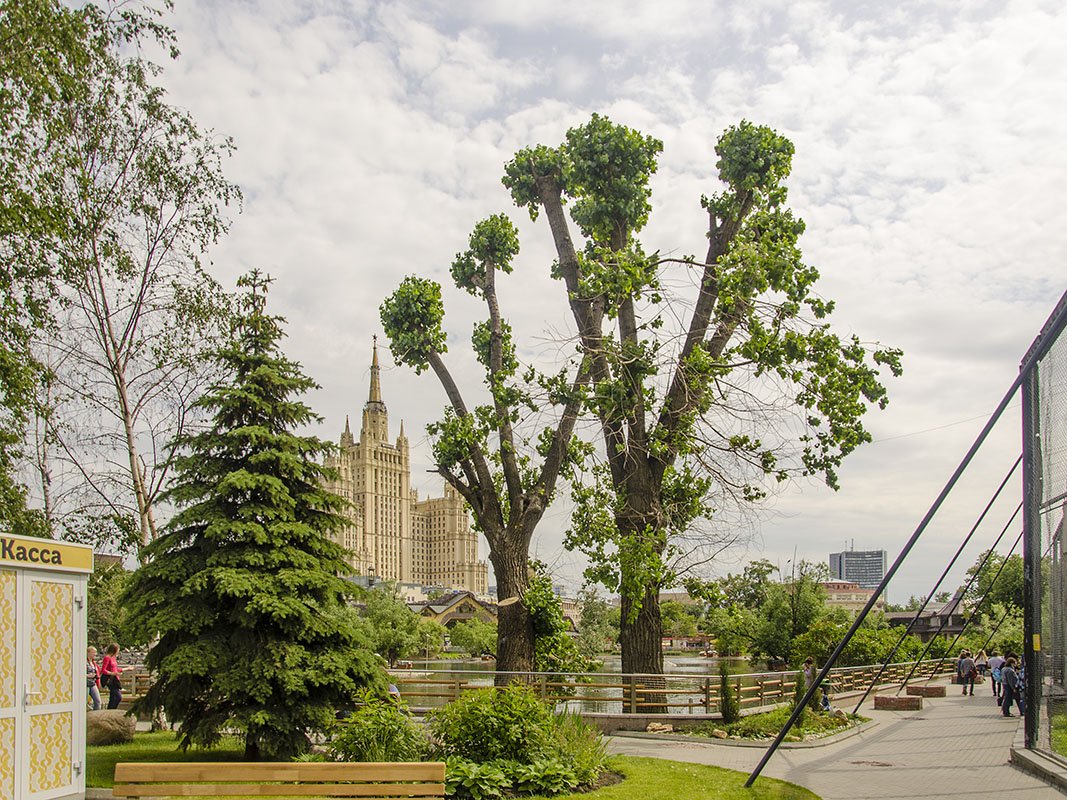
[
  {"x": 699, "y": 396},
  {"x": 241, "y": 590},
  {"x": 507, "y": 473}
]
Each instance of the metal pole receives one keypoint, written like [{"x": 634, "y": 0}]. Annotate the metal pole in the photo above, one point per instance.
[
  {"x": 889, "y": 658},
  {"x": 888, "y": 576},
  {"x": 1040, "y": 346},
  {"x": 1031, "y": 558},
  {"x": 966, "y": 588}
]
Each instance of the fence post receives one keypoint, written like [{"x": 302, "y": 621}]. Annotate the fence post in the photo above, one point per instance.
[{"x": 707, "y": 695}]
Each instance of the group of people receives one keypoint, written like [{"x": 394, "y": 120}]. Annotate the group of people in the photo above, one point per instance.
[
  {"x": 1005, "y": 674},
  {"x": 104, "y": 675}
]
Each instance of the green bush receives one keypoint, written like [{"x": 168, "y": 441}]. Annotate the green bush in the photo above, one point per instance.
[
  {"x": 467, "y": 779},
  {"x": 798, "y": 696},
  {"x": 508, "y": 723},
  {"x": 378, "y": 730},
  {"x": 729, "y": 705},
  {"x": 546, "y": 777},
  {"x": 581, "y": 746}
]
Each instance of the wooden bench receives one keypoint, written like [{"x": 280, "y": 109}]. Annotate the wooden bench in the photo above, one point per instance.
[{"x": 281, "y": 779}]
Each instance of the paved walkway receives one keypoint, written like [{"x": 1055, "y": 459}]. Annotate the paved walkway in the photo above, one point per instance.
[{"x": 955, "y": 747}]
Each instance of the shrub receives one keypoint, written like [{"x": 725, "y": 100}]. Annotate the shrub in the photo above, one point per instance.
[
  {"x": 546, "y": 777},
  {"x": 508, "y": 723},
  {"x": 729, "y": 705},
  {"x": 378, "y": 730},
  {"x": 467, "y": 779},
  {"x": 580, "y": 745},
  {"x": 798, "y": 697}
]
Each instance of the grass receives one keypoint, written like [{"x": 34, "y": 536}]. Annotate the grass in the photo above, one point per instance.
[
  {"x": 645, "y": 778},
  {"x": 160, "y": 746},
  {"x": 656, "y": 779},
  {"x": 1059, "y": 730},
  {"x": 767, "y": 725}
]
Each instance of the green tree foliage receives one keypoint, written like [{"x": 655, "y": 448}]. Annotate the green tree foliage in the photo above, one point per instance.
[
  {"x": 679, "y": 620},
  {"x": 112, "y": 197},
  {"x": 506, "y": 470},
  {"x": 396, "y": 631},
  {"x": 999, "y": 580},
  {"x": 474, "y": 637},
  {"x": 729, "y": 702},
  {"x": 241, "y": 592},
  {"x": 105, "y": 612},
  {"x": 598, "y": 631},
  {"x": 554, "y": 648},
  {"x": 699, "y": 413}
]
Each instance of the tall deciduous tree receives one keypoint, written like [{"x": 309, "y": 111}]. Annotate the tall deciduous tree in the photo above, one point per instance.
[
  {"x": 116, "y": 196},
  {"x": 242, "y": 590},
  {"x": 692, "y": 414},
  {"x": 505, "y": 472}
]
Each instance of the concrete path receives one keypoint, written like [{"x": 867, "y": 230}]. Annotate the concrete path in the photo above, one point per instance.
[{"x": 955, "y": 747}]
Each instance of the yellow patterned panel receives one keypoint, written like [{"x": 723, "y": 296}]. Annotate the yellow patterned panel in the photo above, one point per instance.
[
  {"x": 8, "y": 624},
  {"x": 50, "y": 755},
  {"x": 50, "y": 648},
  {"x": 7, "y": 758}
]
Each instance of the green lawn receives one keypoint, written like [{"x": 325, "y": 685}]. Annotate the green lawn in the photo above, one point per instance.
[
  {"x": 1059, "y": 730},
  {"x": 656, "y": 779},
  {"x": 161, "y": 746},
  {"x": 645, "y": 778}
]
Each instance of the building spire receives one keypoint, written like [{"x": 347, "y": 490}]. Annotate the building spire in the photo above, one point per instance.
[
  {"x": 375, "y": 377},
  {"x": 375, "y": 415}
]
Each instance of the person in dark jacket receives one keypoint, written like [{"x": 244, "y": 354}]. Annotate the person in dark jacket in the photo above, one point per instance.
[{"x": 1011, "y": 687}]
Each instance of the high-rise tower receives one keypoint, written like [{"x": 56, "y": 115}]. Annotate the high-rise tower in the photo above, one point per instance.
[{"x": 393, "y": 535}]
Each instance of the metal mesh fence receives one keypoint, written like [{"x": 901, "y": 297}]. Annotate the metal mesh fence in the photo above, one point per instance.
[{"x": 1045, "y": 571}]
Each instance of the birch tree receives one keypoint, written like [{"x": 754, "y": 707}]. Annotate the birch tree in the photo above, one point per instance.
[{"x": 122, "y": 196}]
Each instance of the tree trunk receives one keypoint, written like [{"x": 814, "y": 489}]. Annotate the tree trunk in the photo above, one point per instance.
[
  {"x": 251, "y": 748},
  {"x": 642, "y": 651},
  {"x": 515, "y": 635}
]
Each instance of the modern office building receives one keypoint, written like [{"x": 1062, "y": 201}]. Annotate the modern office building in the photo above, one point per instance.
[
  {"x": 865, "y": 567},
  {"x": 393, "y": 535}
]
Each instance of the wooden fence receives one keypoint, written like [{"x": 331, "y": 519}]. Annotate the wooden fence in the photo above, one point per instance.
[
  {"x": 639, "y": 694},
  {"x": 614, "y": 693}
]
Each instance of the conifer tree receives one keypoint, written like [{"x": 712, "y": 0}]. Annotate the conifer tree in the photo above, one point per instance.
[{"x": 242, "y": 589}]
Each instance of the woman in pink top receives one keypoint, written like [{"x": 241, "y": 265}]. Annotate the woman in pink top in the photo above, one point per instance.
[{"x": 109, "y": 676}]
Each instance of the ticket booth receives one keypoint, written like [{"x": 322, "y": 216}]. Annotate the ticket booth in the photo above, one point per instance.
[{"x": 43, "y": 587}]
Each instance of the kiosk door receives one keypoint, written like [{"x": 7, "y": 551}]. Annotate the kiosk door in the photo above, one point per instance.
[{"x": 38, "y": 737}]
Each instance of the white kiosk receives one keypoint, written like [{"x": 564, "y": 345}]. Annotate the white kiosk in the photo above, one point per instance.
[{"x": 42, "y": 676}]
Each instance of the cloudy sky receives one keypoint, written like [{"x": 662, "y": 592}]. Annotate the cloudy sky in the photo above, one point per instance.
[{"x": 929, "y": 168}]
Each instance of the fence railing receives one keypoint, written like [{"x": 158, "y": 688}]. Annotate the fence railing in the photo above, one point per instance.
[
  {"x": 639, "y": 694},
  {"x": 614, "y": 693}
]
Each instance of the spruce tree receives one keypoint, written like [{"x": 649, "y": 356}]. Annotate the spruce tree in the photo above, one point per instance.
[{"x": 242, "y": 591}]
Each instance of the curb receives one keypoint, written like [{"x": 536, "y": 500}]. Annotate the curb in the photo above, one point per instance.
[
  {"x": 678, "y": 737},
  {"x": 1036, "y": 763}
]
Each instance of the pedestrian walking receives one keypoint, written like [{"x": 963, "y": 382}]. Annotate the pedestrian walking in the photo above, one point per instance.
[
  {"x": 995, "y": 664},
  {"x": 981, "y": 663},
  {"x": 965, "y": 671},
  {"x": 92, "y": 678},
  {"x": 110, "y": 672},
  {"x": 1012, "y": 687}
]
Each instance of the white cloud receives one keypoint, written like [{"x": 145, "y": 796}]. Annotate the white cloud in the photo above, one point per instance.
[{"x": 371, "y": 137}]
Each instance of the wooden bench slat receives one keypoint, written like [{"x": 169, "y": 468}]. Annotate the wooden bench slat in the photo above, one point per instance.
[
  {"x": 361, "y": 790},
  {"x": 279, "y": 771}
]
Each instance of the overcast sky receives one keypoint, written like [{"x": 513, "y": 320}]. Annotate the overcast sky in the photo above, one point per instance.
[{"x": 929, "y": 168}]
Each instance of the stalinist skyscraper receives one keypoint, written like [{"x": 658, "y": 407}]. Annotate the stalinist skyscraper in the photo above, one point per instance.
[{"x": 393, "y": 535}]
